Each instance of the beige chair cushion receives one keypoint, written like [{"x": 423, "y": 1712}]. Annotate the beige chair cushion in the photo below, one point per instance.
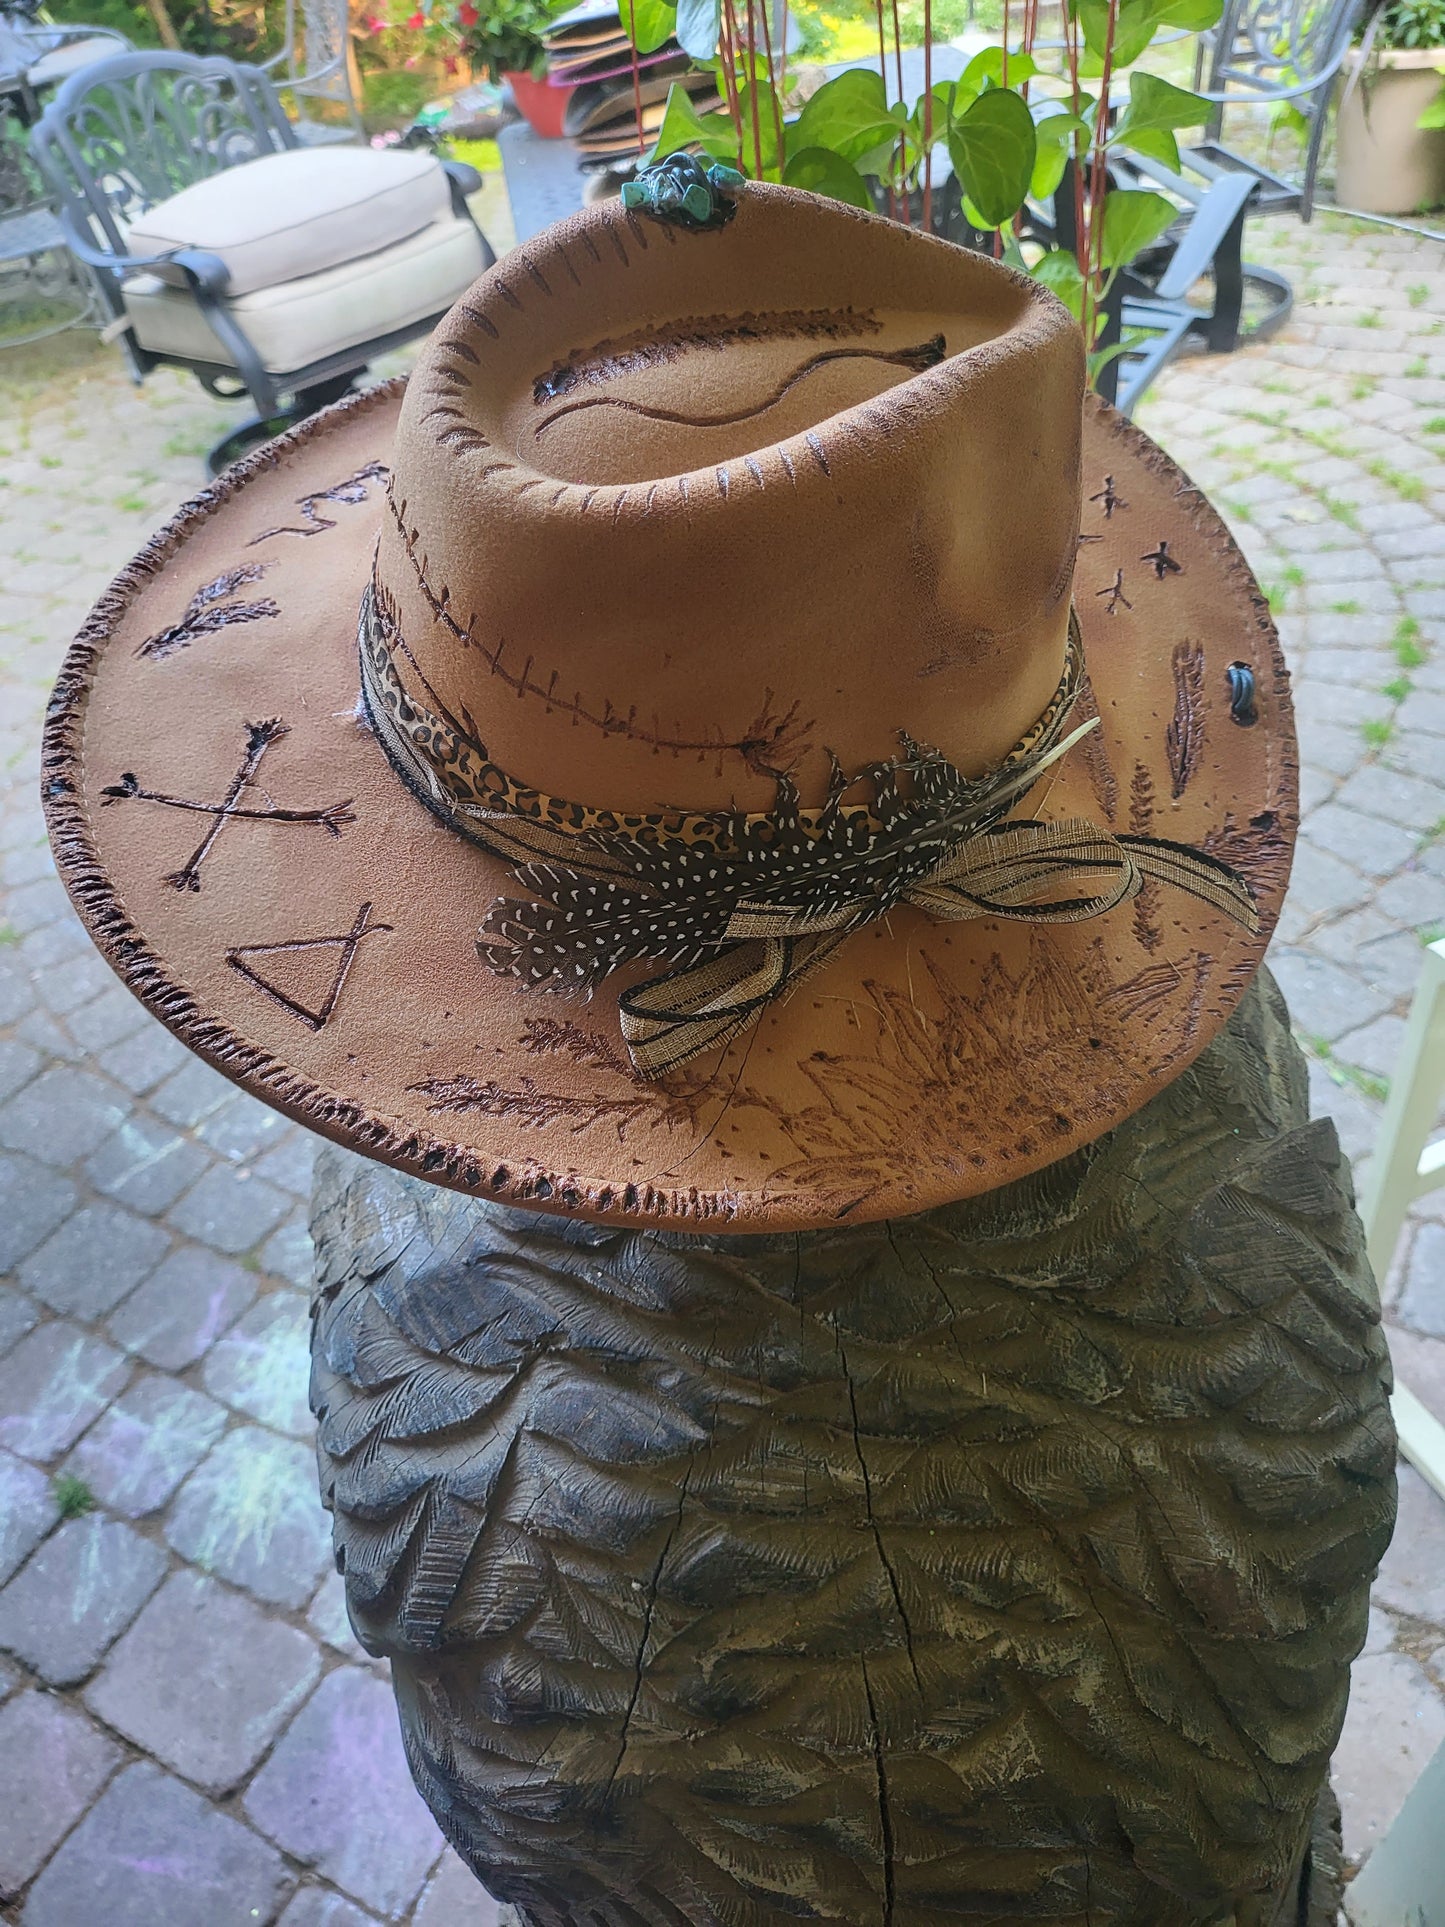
[
  {"x": 296, "y": 213},
  {"x": 298, "y": 322}
]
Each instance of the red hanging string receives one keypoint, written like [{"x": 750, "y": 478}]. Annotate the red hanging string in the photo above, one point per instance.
[
  {"x": 767, "y": 7},
  {"x": 636, "y": 76},
  {"x": 883, "y": 74},
  {"x": 1098, "y": 181},
  {"x": 928, "y": 116}
]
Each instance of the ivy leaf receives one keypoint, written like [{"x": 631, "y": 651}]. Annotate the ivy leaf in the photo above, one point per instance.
[
  {"x": 757, "y": 98},
  {"x": 1156, "y": 105},
  {"x": 1133, "y": 221},
  {"x": 650, "y": 22},
  {"x": 986, "y": 70},
  {"x": 848, "y": 115},
  {"x": 1134, "y": 27},
  {"x": 822, "y": 171},
  {"x": 993, "y": 148},
  {"x": 1054, "y": 134},
  {"x": 682, "y": 126},
  {"x": 1195, "y": 16},
  {"x": 1156, "y": 144},
  {"x": 1059, "y": 272},
  {"x": 698, "y": 26}
]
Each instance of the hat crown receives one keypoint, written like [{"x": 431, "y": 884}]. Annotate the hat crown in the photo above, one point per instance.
[{"x": 672, "y": 512}]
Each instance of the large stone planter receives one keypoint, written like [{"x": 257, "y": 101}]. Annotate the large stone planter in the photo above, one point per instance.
[
  {"x": 999, "y": 1565},
  {"x": 1384, "y": 162}
]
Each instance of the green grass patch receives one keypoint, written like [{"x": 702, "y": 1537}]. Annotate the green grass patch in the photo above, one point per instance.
[
  {"x": 1397, "y": 689},
  {"x": 1369, "y": 319},
  {"x": 1362, "y": 386},
  {"x": 1418, "y": 368},
  {"x": 1365, "y": 1082},
  {"x": 1435, "y": 425},
  {"x": 131, "y": 504},
  {"x": 73, "y": 1497},
  {"x": 1344, "y": 608},
  {"x": 1410, "y": 652},
  {"x": 8, "y": 933},
  {"x": 1377, "y": 731},
  {"x": 192, "y": 442},
  {"x": 484, "y": 156}
]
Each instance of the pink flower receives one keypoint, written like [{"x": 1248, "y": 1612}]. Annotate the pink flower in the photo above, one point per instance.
[
  {"x": 376, "y": 25},
  {"x": 417, "y": 19},
  {"x": 468, "y": 14}
]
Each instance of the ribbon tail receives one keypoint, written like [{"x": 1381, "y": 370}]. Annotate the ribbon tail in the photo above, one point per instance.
[
  {"x": 1200, "y": 876},
  {"x": 675, "y": 1017}
]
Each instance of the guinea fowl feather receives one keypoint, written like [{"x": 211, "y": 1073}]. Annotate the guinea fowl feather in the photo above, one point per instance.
[{"x": 999, "y": 1566}]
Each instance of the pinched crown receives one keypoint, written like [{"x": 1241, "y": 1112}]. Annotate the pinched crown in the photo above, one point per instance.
[{"x": 675, "y": 512}]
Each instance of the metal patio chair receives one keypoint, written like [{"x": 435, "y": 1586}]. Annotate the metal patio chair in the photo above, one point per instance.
[
  {"x": 315, "y": 64},
  {"x": 122, "y": 138},
  {"x": 43, "y": 288},
  {"x": 1264, "y": 51},
  {"x": 36, "y": 56},
  {"x": 1150, "y": 309}
]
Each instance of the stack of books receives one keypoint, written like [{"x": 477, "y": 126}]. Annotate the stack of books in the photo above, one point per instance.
[{"x": 589, "y": 52}]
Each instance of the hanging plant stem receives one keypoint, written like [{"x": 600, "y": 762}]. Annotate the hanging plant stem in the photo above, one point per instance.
[
  {"x": 928, "y": 116},
  {"x": 775, "y": 91},
  {"x": 1092, "y": 261},
  {"x": 636, "y": 76}
]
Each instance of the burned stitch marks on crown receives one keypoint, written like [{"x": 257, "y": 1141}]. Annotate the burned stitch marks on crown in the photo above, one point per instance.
[
  {"x": 259, "y": 738},
  {"x": 773, "y": 743},
  {"x": 352, "y": 490},
  {"x": 211, "y": 608}
]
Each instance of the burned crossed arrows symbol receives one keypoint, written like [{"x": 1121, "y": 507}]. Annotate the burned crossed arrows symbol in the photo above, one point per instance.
[{"x": 259, "y": 738}]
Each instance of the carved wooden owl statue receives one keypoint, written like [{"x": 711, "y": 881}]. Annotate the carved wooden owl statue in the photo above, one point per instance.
[{"x": 1003, "y": 1563}]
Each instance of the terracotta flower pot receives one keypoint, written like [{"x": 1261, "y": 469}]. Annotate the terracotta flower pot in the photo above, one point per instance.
[
  {"x": 541, "y": 106},
  {"x": 1384, "y": 162}
]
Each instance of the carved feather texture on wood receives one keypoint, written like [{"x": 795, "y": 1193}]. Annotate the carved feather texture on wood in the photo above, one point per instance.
[{"x": 1002, "y": 1564}]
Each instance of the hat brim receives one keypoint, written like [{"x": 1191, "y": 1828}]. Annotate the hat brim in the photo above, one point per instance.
[{"x": 312, "y": 932}]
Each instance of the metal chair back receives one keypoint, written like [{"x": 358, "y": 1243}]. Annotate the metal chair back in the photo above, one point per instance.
[
  {"x": 316, "y": 57},
  {"x": 125, "y": 134},
  {"x": 1276, "y": 49}
]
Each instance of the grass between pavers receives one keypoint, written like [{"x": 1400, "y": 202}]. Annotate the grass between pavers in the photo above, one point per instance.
[
  {"x": 1343, "y": 1074},
  {"x": 73, "y": 1497}
]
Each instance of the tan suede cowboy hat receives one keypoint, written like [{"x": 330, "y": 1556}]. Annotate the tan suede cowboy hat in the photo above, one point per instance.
[{"x": 738, "y": 739}]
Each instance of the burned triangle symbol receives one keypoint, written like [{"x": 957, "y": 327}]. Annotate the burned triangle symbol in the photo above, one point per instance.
[{"x": 307, "y": 977}]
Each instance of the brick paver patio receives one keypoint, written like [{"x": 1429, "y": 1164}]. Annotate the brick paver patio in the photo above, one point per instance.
[{"x": 188, "y": 1735}]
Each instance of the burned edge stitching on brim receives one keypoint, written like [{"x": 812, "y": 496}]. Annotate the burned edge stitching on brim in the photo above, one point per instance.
[{"x": 80, "y": 867}]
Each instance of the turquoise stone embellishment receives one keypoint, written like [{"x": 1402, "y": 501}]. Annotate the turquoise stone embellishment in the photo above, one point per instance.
[{"x": 679, "y": 188}]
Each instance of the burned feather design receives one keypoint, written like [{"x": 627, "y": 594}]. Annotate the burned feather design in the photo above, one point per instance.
[
  {"x": 524, "y": 1104},
  {"x": 1184, "y": 738},
  {"x": 213, "y": 607}
]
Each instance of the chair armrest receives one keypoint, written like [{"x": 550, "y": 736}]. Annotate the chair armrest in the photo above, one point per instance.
[
  {"x": 1215, "y": 213},
  {"x": 463, "y": 176},
  {"x": 202, "y": 269}
]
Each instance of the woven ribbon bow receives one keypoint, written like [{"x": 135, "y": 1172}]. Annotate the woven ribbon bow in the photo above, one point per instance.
[{"x": 743, "y": 907}]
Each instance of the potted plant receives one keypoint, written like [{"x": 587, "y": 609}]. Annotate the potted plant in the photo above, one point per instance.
[
  {"x": 1390, "y": 139},
  {"x": 505, "y": 38}
]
